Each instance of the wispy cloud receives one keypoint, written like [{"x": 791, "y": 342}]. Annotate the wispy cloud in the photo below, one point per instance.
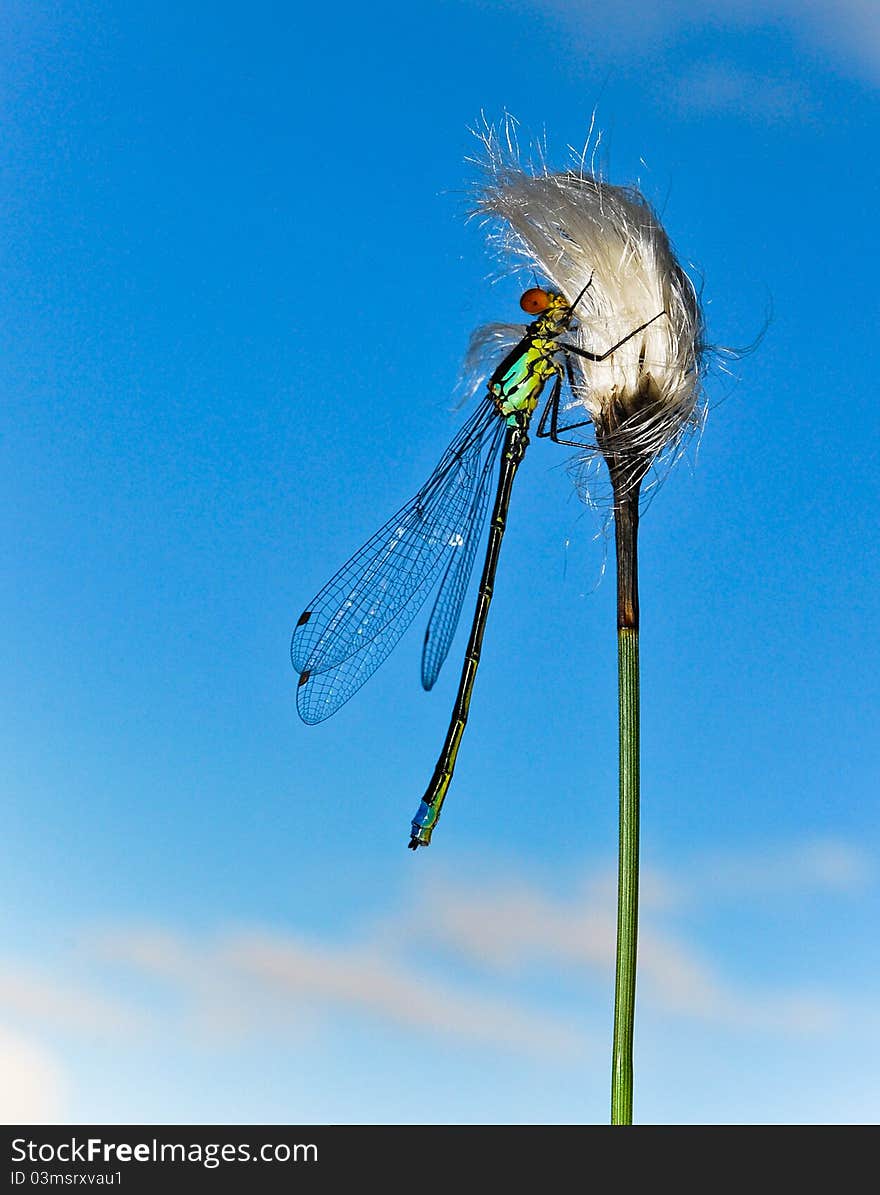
[
  {"x": 358, "y": 980},
  {"x": 33, "y": 1089},
  {"x": 249, "y": 983},
  {"x": 847, "y": 30},
  {"x": 253, "y": 979},
  {"x": 515, "y": 926},
  {"x": 724, "y": 87},
  {"x": 822, "y": 865},
  {"x": 28, "y": 996},
  {"x": 844, "y": 34},
  {"x": 507, "y": 923}
]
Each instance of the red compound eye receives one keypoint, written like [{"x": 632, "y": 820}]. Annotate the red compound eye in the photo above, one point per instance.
[{"x": 535, "y": 300}]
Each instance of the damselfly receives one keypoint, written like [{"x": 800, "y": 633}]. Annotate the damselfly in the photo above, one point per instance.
[{"x": 350, "y": 627}]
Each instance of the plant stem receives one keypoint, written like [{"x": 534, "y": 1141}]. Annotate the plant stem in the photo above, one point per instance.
[{"x": 626, "y": 525}]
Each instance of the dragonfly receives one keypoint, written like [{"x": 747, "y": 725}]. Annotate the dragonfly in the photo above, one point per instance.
[{"x": 354, "y": 622}]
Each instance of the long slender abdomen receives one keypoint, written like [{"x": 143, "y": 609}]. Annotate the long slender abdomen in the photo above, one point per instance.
[{"x": 515, "y": 444}]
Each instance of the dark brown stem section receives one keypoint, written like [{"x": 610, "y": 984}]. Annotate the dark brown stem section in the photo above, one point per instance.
[
  {"x": 627, "y": 543},
  {"x": 626, "y": 537}
]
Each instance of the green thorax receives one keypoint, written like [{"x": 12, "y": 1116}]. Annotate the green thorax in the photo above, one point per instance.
[{"x": 517, "y": 383}]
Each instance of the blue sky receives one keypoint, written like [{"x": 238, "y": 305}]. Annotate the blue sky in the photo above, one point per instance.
[{"x": 237, "y": 283}]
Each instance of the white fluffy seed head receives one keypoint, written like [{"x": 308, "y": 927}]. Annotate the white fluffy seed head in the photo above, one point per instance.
[{"x": 572, "y": 226}]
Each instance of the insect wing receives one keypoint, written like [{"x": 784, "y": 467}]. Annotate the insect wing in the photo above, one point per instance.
[
  {"x": 444, "y": 618},
  {"x": 358, "y": 617},
  {"x": 321, "y": 694}
]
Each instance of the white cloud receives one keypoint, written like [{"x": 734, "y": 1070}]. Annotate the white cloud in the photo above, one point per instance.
[
  {"x": 361, "y": 981},
  {"x": 243, "y": 981},
  {"x": 822, "y": 865},
  {"x": 815, "y": 865},
  {"x": 259, "y": 984},
  {"x": 722, "y": 87},
  {"x": 27, "y": 996},
  {"x": 33, "y": 1089},
  {"x": 844, "y": 33},
  {"x": 848, "y": 29},
  {"x": 257, "y": 980},
  {"x": 511, "y": 925}
]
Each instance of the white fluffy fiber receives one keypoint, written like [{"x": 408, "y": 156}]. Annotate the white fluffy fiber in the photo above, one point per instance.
[{"x": 569, "y": 225}]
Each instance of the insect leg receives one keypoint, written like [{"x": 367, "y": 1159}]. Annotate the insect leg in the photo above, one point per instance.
[
  {"x": 551, "y": 405},
  {"x": 573, "y": 348},
  {"x": 551, "y": 412}
]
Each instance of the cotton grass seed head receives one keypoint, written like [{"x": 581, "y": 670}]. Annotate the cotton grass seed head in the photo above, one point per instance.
[{"x": 571, "y": 227}]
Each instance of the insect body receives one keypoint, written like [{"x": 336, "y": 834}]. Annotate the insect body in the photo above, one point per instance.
[
  {"x": 360, "y": 614},
  {"x": 517, "y": 383}
]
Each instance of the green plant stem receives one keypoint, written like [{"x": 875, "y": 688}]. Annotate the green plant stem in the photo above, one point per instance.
[{"x": 626, "y": 522}]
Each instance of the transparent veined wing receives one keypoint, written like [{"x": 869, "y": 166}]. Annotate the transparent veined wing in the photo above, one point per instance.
[
  {"x": 446, "y": 612},
  {"x": 321, "y": 694},
  {"x": 353, "y": 623},
  {"x": 489, "y": 344},
  {"x": 370, "y": 588}
]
